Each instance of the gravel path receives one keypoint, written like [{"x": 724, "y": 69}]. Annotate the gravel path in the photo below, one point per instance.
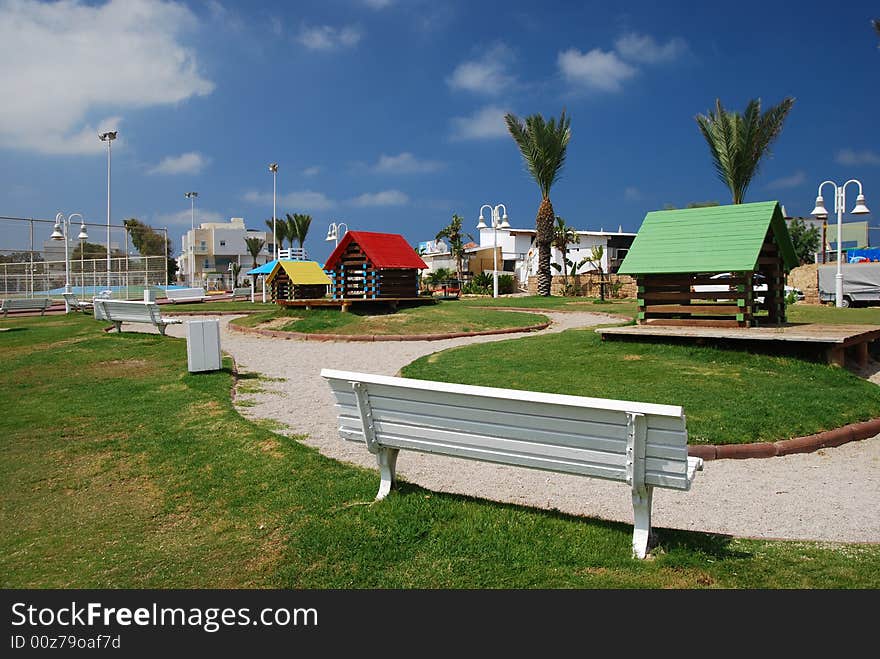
[{"x": 829, "y": 495}]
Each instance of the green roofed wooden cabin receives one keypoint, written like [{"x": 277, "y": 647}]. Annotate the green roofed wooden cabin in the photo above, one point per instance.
[{"x": 710, "y": 266}]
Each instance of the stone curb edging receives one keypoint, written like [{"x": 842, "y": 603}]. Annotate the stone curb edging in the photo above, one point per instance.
[
  {"x": 828, "y": 439},
  {"x": 278, "y": 334}
]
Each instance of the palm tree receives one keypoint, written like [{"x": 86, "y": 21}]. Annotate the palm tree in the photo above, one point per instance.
[
  {"x": 595, "y": 258},
  {"x": 452, "y": 233},
  {"x": 737, "y": 141},
  {"x": 543, "y": 145},
  {"x": 301, "y": 224},
  {"x": 876, "y": 23},
  {"x": 254, "y": 246},
  {"x": 563, "y": 236},
  {"x": 280, "y": 229}
]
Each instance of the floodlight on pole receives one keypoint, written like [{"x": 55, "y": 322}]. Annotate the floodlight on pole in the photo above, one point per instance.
[
  {"x": 273, "y": 167},
  {"x": 108, "y": 137},
  {"x": 192, "y": 236},
  {"x": 821, "y": 213}
]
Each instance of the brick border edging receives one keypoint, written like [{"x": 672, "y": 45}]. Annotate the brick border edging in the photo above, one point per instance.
[
  {"x": 278, "y": 334},
  {"x": 852, "y": 432}
]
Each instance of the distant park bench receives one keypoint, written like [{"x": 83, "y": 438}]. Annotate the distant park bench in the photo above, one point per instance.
[
  {"x": 641, "y": 444},
  {"x": 74, "y": 303},
  {"x": 186, "y": 295},
  {"x": 25, "y": 304},
  {"x": 132, "y": 311},
  {"x": 243, "y": 292}
]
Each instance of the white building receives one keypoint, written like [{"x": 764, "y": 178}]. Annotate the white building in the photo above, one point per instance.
[
  {"x": 518, "y": 253},
  {"x": 213, "y": 246}
]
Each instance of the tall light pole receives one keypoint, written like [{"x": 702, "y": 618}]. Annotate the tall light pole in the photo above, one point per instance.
[
  {"x": 108, "y": 137},
  {"x": 192, "y": 236},
  {"x": 333, "y": 231},
  {"x": 60, "y": 232},
  {"x": 273, "y": 167},
  {"x": 839, "y": 206},
  {"x": 498, "y": 222}
]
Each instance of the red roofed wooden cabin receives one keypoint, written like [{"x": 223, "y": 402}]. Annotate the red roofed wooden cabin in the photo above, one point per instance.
[{"x": 370, "y": 266}]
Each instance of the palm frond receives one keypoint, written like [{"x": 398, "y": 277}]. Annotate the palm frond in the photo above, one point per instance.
[
  {"x": 543, "y": 145},
  {"x": 738, "y": 142}
]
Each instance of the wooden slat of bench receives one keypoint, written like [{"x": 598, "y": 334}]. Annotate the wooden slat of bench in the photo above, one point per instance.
[
  {"x": 411, "y": 385},
  {"x": 543, "y": 429},
  {"x": 486, "y": 400}
]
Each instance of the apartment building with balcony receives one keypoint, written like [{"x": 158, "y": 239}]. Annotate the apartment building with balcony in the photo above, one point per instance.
[{"x": 208, "y": 251}]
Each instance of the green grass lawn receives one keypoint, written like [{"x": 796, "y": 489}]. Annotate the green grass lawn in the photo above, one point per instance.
[
  {"x": 811, "y": 313},
  {"x": 729, "y": 396},
  {"x": 118, "y": 469},
  {"x": 554, "y": 303},
  {"x": 442, "y": 317}
]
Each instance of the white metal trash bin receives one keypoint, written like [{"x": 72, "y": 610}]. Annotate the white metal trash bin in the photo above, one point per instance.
[
  {"x": 203, "y": 345},
  {"x": 149, "y": 295}
]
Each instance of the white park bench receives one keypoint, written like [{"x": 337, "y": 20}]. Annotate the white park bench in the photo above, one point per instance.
[
  {"x": 641, "y": 444},
  {"x": 25, "y": 304},
  {"x": 73, "y": 303},
  {"x": 243, "y": 292},
  {"x": 186, "y": 295},
  {"x": 132, "y": 311}
]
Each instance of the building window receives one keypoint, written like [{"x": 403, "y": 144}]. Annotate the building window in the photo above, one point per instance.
[
  {"x": 207, "y": 263},
  {"x": 203, "y": 244}
]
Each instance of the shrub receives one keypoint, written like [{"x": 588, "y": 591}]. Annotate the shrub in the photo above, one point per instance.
[{"x": 506, "y": 284}]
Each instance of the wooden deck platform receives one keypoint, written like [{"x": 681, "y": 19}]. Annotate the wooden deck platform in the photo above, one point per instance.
[
  {"x": 345, "y": 304},
  {"x": 833, "y": 342}
]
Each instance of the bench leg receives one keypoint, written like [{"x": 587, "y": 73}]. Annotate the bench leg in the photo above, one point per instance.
[
  {"x": 118, "y": 324},
  {"x": 161, "y": 329},
  {"x": 387, "y": 459},
  {"x": 641, "y": 520}
]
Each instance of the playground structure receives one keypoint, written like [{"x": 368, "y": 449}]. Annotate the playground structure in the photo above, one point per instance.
[{"x": 700, "y": 266}]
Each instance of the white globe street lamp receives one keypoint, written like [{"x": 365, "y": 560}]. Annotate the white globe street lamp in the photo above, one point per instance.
[
  {"x": 60, "y": 231},
  {"x": 839, "y": 207},
  {"x": 498, "y": 222},
  {"x": 333, "y": 232}
]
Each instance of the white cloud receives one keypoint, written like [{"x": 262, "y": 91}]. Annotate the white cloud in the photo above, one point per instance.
[
  {"x": 64, "y": 64},
  {"x": 384, "y": 198},
  {"x": 854, "y": 157},
  {"x": 487, "y": 74},
  {"x": 327, "y": 37},
  {"x": 644, "y": 48},
  {"x": 632, "y": 193},
  {"x": 405, "y": 163},
  {"x": 186, "y": 163},
  {"x": 311, "y": 171},
  {"x": 378, "y": 4},
  {"x": 296, "y": 201},
  {"x": 485, "y": 124},
  {"x": 183, "y": 218},
  {"x": 793, "y": 181},
  {"x": 597, "y": 69}
]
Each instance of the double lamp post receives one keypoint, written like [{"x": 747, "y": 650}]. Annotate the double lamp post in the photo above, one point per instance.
[
  {"x": 821, "y": 213},
  {"x": 499, "y": 221}
]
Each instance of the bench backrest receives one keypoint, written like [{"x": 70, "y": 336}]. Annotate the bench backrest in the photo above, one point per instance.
[
  {"x": 18, "y": 303},
  {"x": 72, "y": 299},
  {"x": 184, "y": 293},
  {"x": 571, "y": 434},
  {"x": 241, "y": 292},
  {"x": 131, "y": 311}
]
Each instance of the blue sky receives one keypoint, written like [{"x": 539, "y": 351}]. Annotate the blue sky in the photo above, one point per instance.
[{"x": 386, "y": 114}]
